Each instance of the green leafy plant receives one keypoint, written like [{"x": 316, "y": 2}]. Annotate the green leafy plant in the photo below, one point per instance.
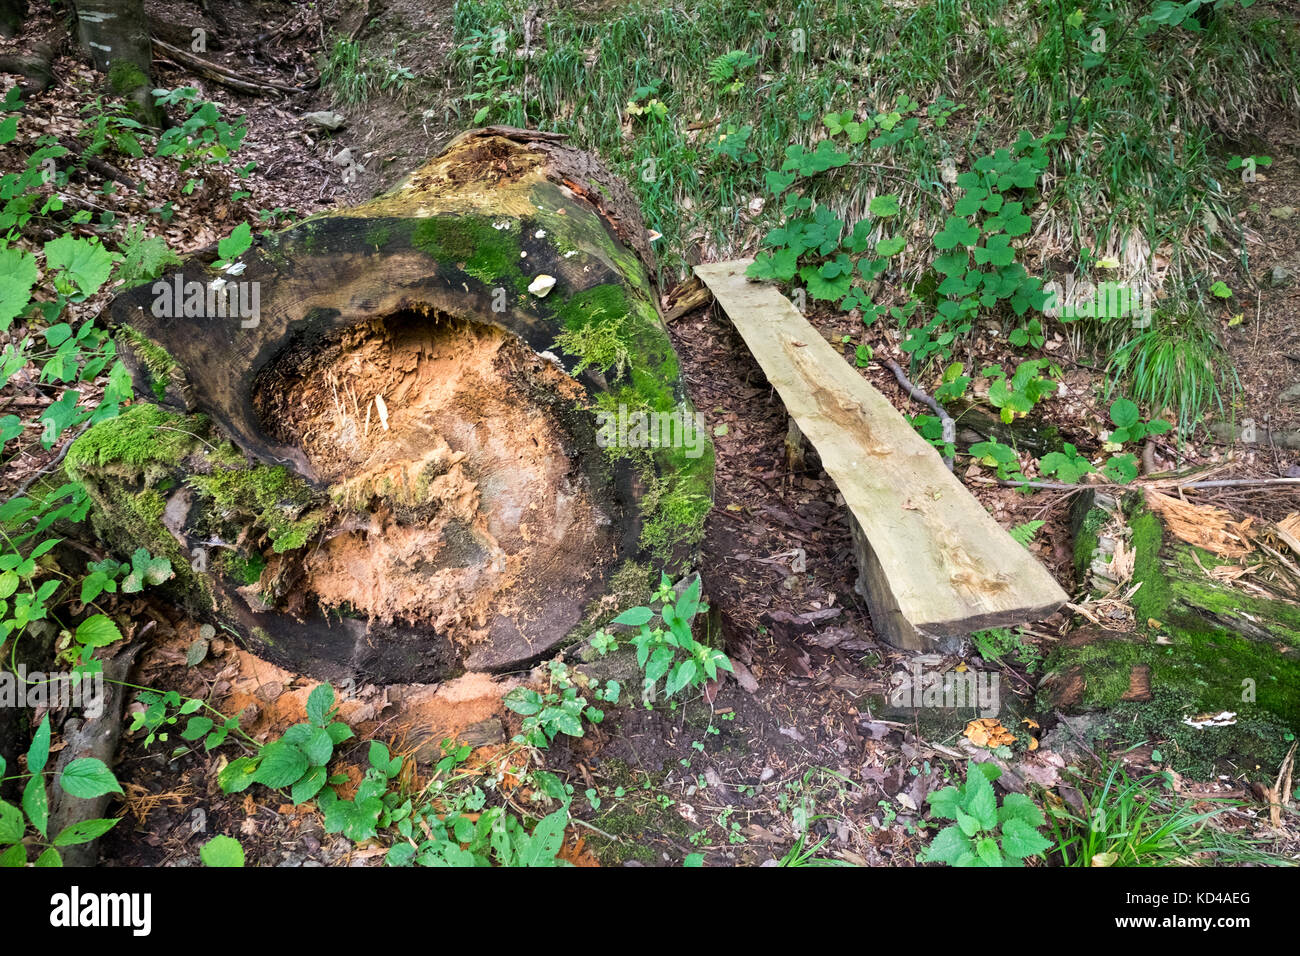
[
  {"x": 1016, "y": 395},
  {"x": 669, "y": 651},
  {"x": 997, "y": 643},
  {"x": 83, "y": 778},
  {"x": 202, "y": 138},
  {"x": 558, "y": 711},
  {"x": 300, "y": 757},
  {"x": 724, "y": 71},
  {"x": 984, "y": 834}
]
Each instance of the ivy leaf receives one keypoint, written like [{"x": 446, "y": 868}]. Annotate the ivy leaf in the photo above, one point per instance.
[{"x": 891, "y": 246}]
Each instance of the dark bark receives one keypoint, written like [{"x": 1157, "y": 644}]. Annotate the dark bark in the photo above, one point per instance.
[{"x": 116, "y": 35}]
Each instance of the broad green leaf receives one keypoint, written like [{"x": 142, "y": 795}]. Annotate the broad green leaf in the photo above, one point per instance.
[
  {"x": 319, "y": 703},
  {"x": 635, "y": 616},
  {"x": 948, "y": 846},
  {"x": 36, "y": 803},
  {"x": 1020, "y": 840},
  {"x": 883, "y": 207},
  {"x": 17, "y": 276},
  {"x": 11, "y": 823},
  {"x": 237, "y": 243},
  {"x": 308, "y": 786},
  {"x": 39, "y": 752},
  {"x": 16, "y": 855},
  {"x": 98, "y": 630},
  {"x": 88, "y": 777},
  {"x": 1017, "y": 806},
  {"x": 222, "y": 850},
  {"x": 282, "y": 764},
  {"x": 84, "y": 831},
  {"x": 84, "y": 261},
  {"x": 980, "y": 801}
]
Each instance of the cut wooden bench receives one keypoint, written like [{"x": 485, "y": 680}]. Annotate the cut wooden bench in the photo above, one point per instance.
[{"x": 933, "y": 565}]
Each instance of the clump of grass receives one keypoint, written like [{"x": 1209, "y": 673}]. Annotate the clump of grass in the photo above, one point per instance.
[
  {"x": 353, "y": 76},
  {"x": 1142, "y": 823},
  {"x": 1176, "y": 363}
]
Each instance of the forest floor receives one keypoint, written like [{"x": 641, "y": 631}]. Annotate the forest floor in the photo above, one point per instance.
[{"x": 797, "y": 741}]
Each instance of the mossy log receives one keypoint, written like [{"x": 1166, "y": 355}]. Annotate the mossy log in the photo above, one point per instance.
[
  {"x": 393, "y": 452},
  {"x": 1205, "y": 666}
]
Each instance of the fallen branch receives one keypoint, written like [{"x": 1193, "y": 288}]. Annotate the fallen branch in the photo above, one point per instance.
[
  {"x": 920, "y": 395},
  {"x": 1182, "y": 486},
  {"x": 220, "y": 74},
  {"x": 94, "y": 737}
]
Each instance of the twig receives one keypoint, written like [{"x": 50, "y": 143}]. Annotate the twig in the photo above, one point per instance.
[
  {"x": 920, "y": 395},
  {"x": 1176, "y": 485}
]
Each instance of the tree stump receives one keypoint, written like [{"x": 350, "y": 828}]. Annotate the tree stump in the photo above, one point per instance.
[
  {"x": 1204, "y": 666},
  {"x": 426, "y": 434}
]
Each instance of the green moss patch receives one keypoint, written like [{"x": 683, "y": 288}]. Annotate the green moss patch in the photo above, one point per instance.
[
  {"x": 143, "y": 440},
  {"x": 483, "y": 251},
  {"x": 277, "y": 499}
]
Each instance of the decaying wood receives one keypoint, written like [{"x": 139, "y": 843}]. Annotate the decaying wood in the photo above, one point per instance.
[
  {"x": 475, "y": 539},
  {"x": 93, "y": 737},
  {"x": 685, "y": 299},
  {"x": 933, "y": 564}
]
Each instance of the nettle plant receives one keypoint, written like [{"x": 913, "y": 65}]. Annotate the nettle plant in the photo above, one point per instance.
[
  {"x": 668, "y": 651},
  {"x": 984, "y": 834},
  {"x": 84, "y": 778}
]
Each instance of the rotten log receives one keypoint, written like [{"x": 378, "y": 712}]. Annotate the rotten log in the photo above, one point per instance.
[
  {"x": 933, "y": 565},
  {"x": 1201, "y": 656},
  {"x": 406, "y": 461}
]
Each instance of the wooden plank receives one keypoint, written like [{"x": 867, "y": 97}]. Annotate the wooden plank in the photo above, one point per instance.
[{"x": 933, "y": 565}]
